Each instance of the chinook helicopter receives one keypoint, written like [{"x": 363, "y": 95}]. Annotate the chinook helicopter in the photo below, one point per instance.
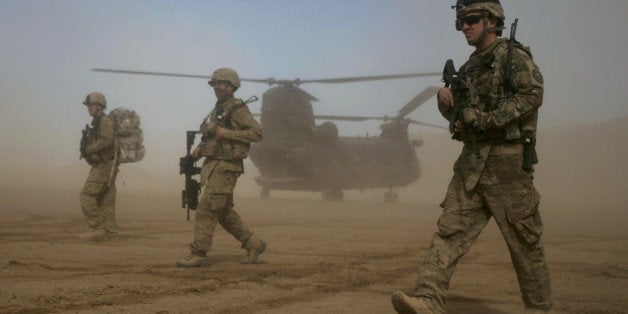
[{"x": 298, "y": 155}]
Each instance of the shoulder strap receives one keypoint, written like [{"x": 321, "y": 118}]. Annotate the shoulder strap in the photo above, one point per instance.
[
  {"x": 229, "y": 110},
  {"x": 519, "y": 46},
  {"x": 96, "y": 122}
]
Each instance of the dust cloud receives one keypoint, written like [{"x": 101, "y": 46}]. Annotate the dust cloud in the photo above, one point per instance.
[{"x": 323, "y": 256}]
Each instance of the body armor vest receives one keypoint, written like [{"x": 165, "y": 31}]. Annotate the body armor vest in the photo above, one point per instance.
[
  {"x": 222, "y": 149},
  {"x": 484, "y": 75}
]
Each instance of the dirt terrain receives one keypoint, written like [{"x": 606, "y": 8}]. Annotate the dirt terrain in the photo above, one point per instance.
[{"x": 323, "y": 257}]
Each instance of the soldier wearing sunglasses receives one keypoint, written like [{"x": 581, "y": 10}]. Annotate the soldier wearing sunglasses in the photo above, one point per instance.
[{"x": 498, "y": 118}]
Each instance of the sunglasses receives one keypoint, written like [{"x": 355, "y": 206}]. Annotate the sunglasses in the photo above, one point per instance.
[
  {"x": 469, "y": 20},
  {"x": 214, "y": 83}
]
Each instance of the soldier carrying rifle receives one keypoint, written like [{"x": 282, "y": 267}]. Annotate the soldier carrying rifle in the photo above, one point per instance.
[
  {"x": 98, "y": 196},
  {"x": 227, "y": 134},
  {"x": 493, "y": 107}
]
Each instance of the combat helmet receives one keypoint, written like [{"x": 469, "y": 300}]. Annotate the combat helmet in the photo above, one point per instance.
[
  {"x": 226, "y": 74},
  {"x": 490, "y": 8},
  {"x": 95, "y": 98}
]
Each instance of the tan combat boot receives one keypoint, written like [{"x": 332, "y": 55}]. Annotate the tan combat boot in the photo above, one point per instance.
[
  {"x": 409, "y": 305},
  {"x": 254, "y": 247},
  {"x": 192, "y": 261},
  {"x": 94, "y": 234}
]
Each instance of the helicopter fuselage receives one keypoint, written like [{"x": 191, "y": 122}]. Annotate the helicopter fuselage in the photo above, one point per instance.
[{"x": 348, "y": 163}]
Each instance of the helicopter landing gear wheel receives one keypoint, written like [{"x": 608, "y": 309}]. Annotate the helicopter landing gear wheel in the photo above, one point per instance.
[
  {"x": 391, "y": 197},
  {"x": 333, "y": 195},
  {"x": 265, "y": 193}
]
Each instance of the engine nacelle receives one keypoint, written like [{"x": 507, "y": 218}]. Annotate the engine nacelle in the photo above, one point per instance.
[{"x": 326, "y": 132}]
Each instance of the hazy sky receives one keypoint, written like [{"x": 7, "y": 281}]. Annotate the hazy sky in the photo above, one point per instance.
[{"x": 49, "y": 47}]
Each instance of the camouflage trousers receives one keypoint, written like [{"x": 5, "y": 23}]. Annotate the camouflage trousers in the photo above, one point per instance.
[
  {"x": 216, "y": 206},
  {"x": 98, "y": 201},
  {"x": 506, "y": 193}
]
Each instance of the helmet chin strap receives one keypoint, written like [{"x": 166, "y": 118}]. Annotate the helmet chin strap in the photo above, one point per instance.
[
  {"x": 485, "y": 28},
  {"x": 491, "y": 29}
]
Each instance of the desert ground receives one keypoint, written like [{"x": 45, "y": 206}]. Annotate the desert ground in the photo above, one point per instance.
[{"x": 322, "y": 257}]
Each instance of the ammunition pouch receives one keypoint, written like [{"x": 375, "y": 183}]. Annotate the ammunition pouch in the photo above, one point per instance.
[
  {"x": 234, "y": 150},
  {"x": 512, "y": 132},
  {"x": 224, "y": 149},
  {"x": 209, "y": 147}
]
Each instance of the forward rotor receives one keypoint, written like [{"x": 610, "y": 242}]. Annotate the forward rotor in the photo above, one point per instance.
[{"x": 272, "y": 81}]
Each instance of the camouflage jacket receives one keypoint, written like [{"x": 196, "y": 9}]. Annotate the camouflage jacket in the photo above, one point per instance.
[
  {"x": 510, "y": 118},
  {"x": 227, "y": 153},
  {"x": 100, "y": 140}
]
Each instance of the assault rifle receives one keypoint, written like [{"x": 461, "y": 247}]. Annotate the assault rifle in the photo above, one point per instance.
[
  {"x": 187, "y": 167},
  {"x": 452, "y": 80},
  {"x": 529, "y": 141},
  {"x": 189, "y": 196},
  {"x": 455, "y": 81},
  {"x": 506, "y": 88},
  {"x": 83, "y": 145}
]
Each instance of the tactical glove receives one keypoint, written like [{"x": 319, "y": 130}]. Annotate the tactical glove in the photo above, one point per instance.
[
  {"x": 476, "y": 119},
  {"x": 93, "y": 159}
]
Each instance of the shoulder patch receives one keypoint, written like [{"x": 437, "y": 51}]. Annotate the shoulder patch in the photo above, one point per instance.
[{"x": 537, "y": 75}]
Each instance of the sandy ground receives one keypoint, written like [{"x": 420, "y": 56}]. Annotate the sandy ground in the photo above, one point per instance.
[
  {"x": 327, "y": 257},
  {"x": 323, "y": 257}
]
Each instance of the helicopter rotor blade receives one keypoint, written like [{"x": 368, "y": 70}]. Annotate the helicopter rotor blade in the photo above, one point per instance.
[
  {"x": 427, "y": 124},
  {"x": 418, "y": 100},
  {"x": 348, "y": 118},
  {"x": 150, "y": 73},
  {"x": 269, "y": 81},
  {"x": 370, "y": 78},
  {"x": 297, "y": 82},
  {"x": 272, "y": 81},
  {"x": 384, "y": 118}
]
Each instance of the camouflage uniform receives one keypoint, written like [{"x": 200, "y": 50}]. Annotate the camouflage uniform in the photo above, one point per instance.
[
  {"x": 493, "y": 185},
  {"x": 99, "y": 192},
  {"x": 221, "y": 168}
]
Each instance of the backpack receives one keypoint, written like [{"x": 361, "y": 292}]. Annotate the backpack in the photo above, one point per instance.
[{"x": 129, "y": 136}]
